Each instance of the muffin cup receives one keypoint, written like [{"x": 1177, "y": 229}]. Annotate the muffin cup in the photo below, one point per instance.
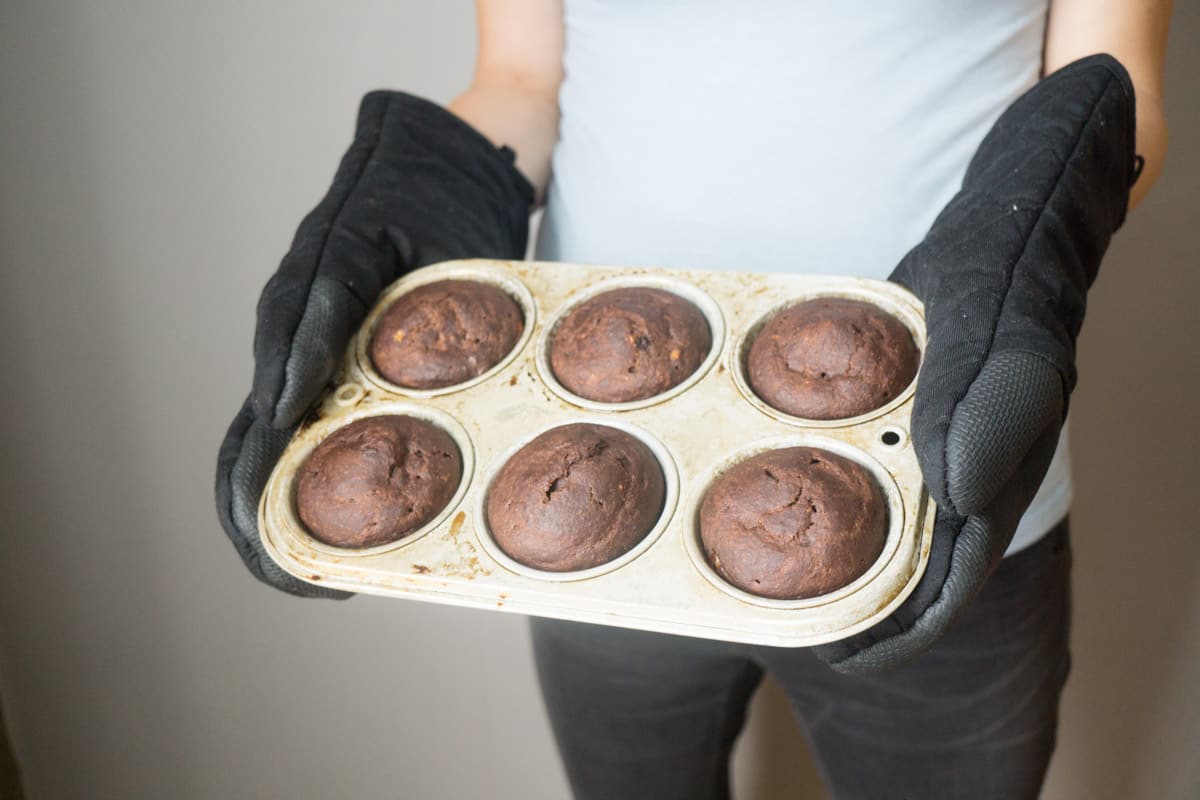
[
  {"x": 701, "y": 300},
  {"x": 670, "y": 499},
  {"x": 740, "y": 352},
  {"x": 887, "y": 484},
  {"x": 695, "y": 430},
  {"x": 473, "y": 271},
  {"x": 282, "y": 511}
]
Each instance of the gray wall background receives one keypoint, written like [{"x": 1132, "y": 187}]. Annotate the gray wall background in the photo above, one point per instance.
[{"x": 155, "y": 158}]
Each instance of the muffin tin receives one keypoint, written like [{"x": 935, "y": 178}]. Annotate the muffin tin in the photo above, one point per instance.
[{"x": 696, "y": 430}]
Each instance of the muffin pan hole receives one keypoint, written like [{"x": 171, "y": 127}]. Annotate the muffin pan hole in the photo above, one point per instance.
[
  {"x": 348, "y": 394},
  {"x": 472, "y": 272},
  {"x": 892, "y": 437},
  {"x": 699, "y": 299}
]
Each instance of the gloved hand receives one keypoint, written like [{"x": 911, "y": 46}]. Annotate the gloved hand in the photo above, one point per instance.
[
  {"x": 1003, "y": 274},
  {"x": 417, "y": 186}
]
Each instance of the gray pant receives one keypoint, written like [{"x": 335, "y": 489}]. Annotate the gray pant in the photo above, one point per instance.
[
  {"x": 644, "y": 715},
  {"x": 10, "y": 777}
]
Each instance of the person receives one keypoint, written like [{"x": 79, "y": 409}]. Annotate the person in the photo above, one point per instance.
[{"x": 981, "y": 146}]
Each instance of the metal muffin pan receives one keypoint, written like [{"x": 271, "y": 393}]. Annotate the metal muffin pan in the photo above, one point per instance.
[{"x": 695, "y": 430}]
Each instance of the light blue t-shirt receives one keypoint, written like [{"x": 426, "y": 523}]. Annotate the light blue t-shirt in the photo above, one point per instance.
[{"x": 772, "y": 136}]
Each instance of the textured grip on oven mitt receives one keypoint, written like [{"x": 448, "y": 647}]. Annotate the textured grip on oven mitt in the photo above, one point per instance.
[
  {"x": 1003, "y": 274},
  {"x": 418, "y": 185}
]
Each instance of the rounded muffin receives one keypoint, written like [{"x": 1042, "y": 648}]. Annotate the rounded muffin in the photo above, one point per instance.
[
  {"x": 629, "y": 344},
  {"x": 575, "y": 497},
  {"x": 793, "y": 523},
  {"x": 831, "y": 358},
  {"x": 444, "y": 333},
  {"x": 377, "y": 480}
]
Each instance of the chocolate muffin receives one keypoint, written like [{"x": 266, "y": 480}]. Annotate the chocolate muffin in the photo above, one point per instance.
[
  {"x": 831, "y": 358},
  {"x": 793, "y": 523},
  {"x": 575, "y": 497},
  {"x": 377, "y": 480},
  {"x": 629, "y": 344},
  {"x": 444, "y": 333}
]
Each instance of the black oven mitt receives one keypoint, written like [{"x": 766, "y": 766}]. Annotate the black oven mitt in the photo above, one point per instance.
[
  {"x": 417, "y": 186},
  {"x": 1004, "y": 274}
]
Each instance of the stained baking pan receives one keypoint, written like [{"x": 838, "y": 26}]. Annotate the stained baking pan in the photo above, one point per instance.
[{"x": 696, "y": 431}]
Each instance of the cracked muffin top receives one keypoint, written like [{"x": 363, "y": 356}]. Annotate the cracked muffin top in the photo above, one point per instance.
[
  {"x": 831, "y": 358},
  {"x": 793, "y": 523},
  {"x": 445, "y": 332},
  {"x": 629, "y": 344},
  {"x": 575, "y": 497},
  {"x": 377, "y": 480}
]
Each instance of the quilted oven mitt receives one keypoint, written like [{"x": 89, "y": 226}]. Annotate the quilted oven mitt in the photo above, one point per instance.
[
  {"x": 417, "y": 186},
  {"x": 1004, "y": 273}
]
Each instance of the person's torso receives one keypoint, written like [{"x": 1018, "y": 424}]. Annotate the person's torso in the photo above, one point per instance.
[
  {"x": 772, "y": 136},
  {"x": 777, "y": 137}
]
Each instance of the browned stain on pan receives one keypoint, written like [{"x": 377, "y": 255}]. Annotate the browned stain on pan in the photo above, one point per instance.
[
  {"x": 466, "y": 565},
  {"x": 887, "y": 598},
  {"x": 456, "y": 525},
  {"x": 923, "y": 555},
  {"x": 313, "y": 416}
]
